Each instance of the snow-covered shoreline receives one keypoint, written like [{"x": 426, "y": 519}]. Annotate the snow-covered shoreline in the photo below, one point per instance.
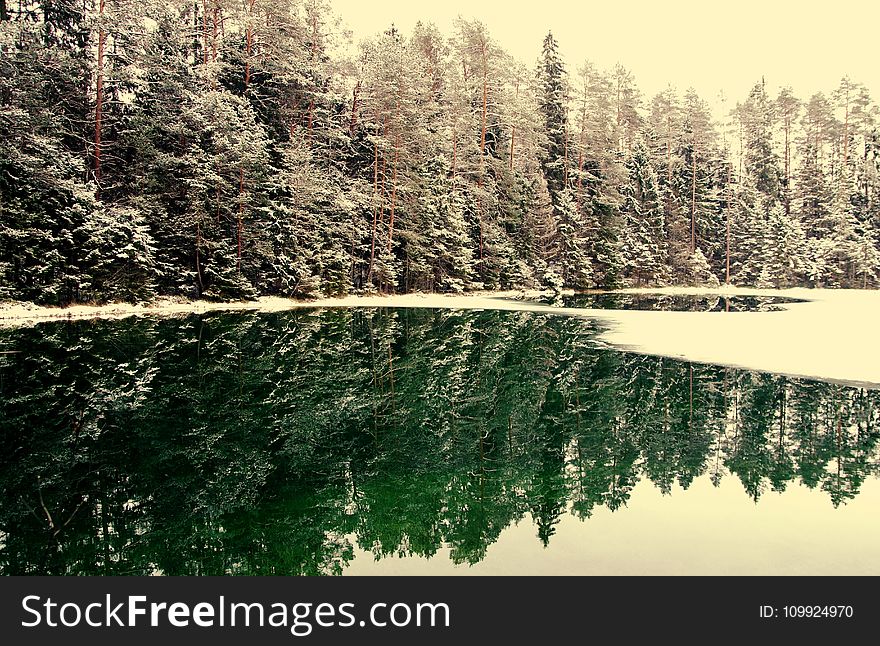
[
  {"x": 829, "y": 337},
  {"x": 23, "y": 314},
  {"x": 832, "y": 336}
]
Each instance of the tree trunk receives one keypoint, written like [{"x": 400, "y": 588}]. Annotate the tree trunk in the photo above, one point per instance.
[
  {"x": 727, "y": 279},
  {"x": 249, "y": 42},
  {"x": 314, "y": 47},
  {"x": 248, "y": 45},
  {"x": 845, "y": 140},
  {"x": 198, "y": 259},
  {"x": 215, "y": 15},
  {"x": 384, "y": 174},
  {"x": 99, "y": 98},
  {"x": 580, "y": 173},
  {"x": 694, "y": 200},
  {"x": 581, "y": 143},
  {"x": 485, "y": 104},
  {"x": 513, "y": 130},
  {"x": 393, "y": 186},
  {"x": 205, "y": 31},
  {"x": 240, "y": 215},
  {"x": 313, "y": 53},
  {"x": 483, "y": 145},
  {"x": 454, "y": 156},
  {"x": 740, "y": 146},
  {"x": 565, "y": 154},
  {"x": 512, "y": 141},
  {"x": 354, "y": 104},
  {"x": 668, "y": 169},
  {"x": 195, "y": 32},
  {"x": 787, "y": 197},
  {"x": 375, "y": 207}
]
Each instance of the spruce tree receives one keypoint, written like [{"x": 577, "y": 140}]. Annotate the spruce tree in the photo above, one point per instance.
[
  {"x": 644, "y": 240},
  {"x": 571, "y": 257}
]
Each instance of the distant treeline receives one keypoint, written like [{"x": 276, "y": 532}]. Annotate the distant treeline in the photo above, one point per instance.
[
  {"x": 269, "y": 444},
  {"x": 226, "y": 149}
]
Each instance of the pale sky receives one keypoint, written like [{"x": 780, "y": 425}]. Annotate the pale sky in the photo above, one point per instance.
[{"x": 710, "y": 46}]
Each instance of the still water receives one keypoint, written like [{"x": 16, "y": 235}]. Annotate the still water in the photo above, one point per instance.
[
  {"x": 417, "y": 441},
  {"x": 670, "y": 302}
]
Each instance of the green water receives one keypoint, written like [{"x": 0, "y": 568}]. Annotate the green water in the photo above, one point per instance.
[{"x": 417, "y": 441}]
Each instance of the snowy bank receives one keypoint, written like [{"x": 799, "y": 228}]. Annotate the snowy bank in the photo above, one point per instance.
[
  {"x": 21, "y": 314},
  {"x": 830, "y": 337}
]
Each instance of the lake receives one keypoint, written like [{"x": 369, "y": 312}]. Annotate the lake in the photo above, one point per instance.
[
  {"x": 418, "y": 441},
  {"x": 670, "y": 302}
]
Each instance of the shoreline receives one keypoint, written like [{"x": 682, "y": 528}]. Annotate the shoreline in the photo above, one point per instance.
[
  {"x": 16, "y": 313},
  {"x": 829, "y": 336}
]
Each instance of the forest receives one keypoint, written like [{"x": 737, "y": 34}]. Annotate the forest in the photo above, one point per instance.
[
  {"x": 245, "y": 443},
  {"x": 226, "y": 149}
]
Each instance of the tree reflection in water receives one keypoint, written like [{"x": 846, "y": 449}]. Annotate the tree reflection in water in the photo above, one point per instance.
[{"x": 260, "y": 444}]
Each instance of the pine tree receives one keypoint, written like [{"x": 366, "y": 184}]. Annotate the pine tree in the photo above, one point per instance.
[
  {"x": 748, "y": 228},
  {"x": 571, "y": 255},
  {"x": 118, "y": 256},
  {"x": 163, "y": 178},
  {"x": 224, "y": 149},
  {"x": 787, "y": 110},
  {"x": 696, "y": 223},
  {"x": 782, "y": 254},
  {"x": 759, "y": 156},
  {"x": 43, "y": 201},
  {"x": 628, "y": 119},
  {"x": 644, "y": 241},
  {"x": 443, "y": 259}
]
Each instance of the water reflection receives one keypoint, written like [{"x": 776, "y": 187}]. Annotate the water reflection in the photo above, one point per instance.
[
  {"x": 670, "y": 302},
  {"x": 260, "y": 444}
]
